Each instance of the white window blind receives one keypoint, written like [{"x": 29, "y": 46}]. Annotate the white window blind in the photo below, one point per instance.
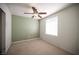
[{"x": 52, "y": 26}]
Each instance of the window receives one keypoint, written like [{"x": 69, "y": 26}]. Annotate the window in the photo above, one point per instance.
[{"x": 52, "y": 26}]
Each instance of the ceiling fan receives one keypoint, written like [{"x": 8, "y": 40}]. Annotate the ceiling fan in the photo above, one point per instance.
[{"x": 36, "y": 13}]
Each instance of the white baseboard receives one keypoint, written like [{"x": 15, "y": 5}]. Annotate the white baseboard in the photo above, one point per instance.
[{"x": 24, "y": 40}]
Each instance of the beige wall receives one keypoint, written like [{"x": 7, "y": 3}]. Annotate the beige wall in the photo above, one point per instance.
[
  {"x": 8, "y": 26},
  {"x": 67, "y": 29}
]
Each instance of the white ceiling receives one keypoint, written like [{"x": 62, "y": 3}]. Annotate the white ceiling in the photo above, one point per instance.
[{"x": 20, "y": 8}]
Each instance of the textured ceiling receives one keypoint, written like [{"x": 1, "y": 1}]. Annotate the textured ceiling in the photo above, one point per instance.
[{"x": 20, "y": 8}]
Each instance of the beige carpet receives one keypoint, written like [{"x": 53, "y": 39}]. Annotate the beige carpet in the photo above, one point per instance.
[{"x": 35, "y": 47}]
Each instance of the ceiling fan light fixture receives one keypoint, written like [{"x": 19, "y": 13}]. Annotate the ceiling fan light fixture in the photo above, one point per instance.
[{"x": 35, "y": 14}]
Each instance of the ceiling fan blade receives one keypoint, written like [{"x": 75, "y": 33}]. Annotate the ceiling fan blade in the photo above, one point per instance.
[
  {"x": 42, "y": 13},
  {"x": 39, "y": 16},
  {"x": 34, "y": 10},
  {"x": 28, "y": 13}
]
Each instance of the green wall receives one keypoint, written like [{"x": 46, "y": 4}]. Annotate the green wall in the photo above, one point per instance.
[{"x": 24, "y": 28}]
